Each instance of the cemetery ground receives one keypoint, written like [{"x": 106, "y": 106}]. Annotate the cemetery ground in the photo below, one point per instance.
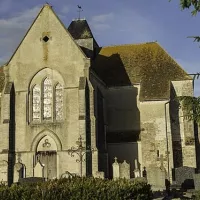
[
  {"x": 78, "y": 188},
  {"x": 125, "y": 184},
  {"x": 91, "y": 188}
]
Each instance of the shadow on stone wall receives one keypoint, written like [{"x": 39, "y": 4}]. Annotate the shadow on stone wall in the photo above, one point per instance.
[
  {"x": 88, "y": 132},
  {"x": 11, "y": 152},
  {"x": 112, "y": 72},
  {"x": 197, "y": 144},
  {"x": 175, "y": 129}
]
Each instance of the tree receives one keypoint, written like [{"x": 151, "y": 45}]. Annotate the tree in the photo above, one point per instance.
[
  {"x": 191, "y": 104},
  {"x": 194, "y": 4}
]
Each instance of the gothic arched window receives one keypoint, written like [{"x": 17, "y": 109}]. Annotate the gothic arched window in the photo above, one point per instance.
[
  {"x": 58, "y": 102},
  {"x": 36, "y": 102},
  {"x": 47, "y": 99}
]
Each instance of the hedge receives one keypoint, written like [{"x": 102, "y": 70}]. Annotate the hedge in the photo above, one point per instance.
[{"x": 78, "y": 188}]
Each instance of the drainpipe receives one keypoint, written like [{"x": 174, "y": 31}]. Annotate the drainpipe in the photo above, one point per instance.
[{"x": 167, "y": 142}]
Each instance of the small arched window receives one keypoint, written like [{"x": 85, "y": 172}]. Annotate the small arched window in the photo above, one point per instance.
[
  {"x": 47, "y": 99},
  {"x": 59, "y": 102},
  {"x": 36, "y": 109}
]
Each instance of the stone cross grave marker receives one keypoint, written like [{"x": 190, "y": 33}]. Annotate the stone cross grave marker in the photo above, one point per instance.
[
  {"x": 136, "y": 170},
  {"x": 115, "y": 166},
  {"x": 156, "y": 177}
]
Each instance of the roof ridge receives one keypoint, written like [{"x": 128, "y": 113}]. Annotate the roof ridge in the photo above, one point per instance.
[{"x": 132, "y": 44}]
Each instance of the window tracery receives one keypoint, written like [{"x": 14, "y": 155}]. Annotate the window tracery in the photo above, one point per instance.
[
  {"x": 47, "y": 101},
  {"x": 36, "y": 102},
  {"x": 47, "y": 98},
  {"x": 58, "y": 102}
]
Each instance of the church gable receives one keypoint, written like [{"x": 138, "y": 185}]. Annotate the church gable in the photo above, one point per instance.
[{"x": 47, "y": 44}]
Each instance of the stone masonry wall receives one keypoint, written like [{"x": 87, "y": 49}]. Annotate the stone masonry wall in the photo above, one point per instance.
[{"x": 186, "y": 131}]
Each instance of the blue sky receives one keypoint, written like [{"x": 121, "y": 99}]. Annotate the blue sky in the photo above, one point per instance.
[{"x": 113, "y": 22}]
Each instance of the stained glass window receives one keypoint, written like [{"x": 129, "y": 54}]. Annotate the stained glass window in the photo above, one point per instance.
[
  {"x": 36, "y": 103},
  {"x": 59, "y": 102},
  {"x": 47, "y": 99}
]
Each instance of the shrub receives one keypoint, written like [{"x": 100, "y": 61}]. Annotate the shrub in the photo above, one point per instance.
[{"x": 78, "y": 188}]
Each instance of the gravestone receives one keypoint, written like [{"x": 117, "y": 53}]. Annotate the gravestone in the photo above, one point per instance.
[
  {"x": 18, "y": 171},
  {"x": 156, "y": 177},
  {"x": 196, "y": 178},
  {"x": 66, "y": 175},
  {"x": 184, "y": 177},
  {"x": 136, "y": 170},
  {"x": 39, "y": 170},
  {"x": 115, "y": 166},
  {"x": 124, "y": 170},
  {"x": 99, "y": 174}
]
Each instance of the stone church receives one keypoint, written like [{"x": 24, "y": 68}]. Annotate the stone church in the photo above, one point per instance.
[{"x": 59, "y": 85}]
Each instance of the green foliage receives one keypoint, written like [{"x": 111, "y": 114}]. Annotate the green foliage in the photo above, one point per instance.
[
  {"x": 197, "y": 195},
  {"x": 78, "y": 188},
  {"x": 191, "y": 107},
  {"x": 194, "y": 4}
]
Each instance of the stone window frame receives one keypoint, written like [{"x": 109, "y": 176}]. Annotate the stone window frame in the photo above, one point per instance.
[
  {"x": 37, "y": 79},
  {"x": 53, "y": 109}
]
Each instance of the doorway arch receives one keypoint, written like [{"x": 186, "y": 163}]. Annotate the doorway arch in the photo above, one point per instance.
[{"x": 46, "y": 155}]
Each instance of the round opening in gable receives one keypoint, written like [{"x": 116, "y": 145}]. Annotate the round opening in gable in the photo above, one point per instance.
[{"x": 45, "y": 38}]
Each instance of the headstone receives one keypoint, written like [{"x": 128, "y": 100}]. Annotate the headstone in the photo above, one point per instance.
[
  {"x": 39, "y": 170},
  {"x": 184, "y": 177},
  {"x": 124, "y": 170},
  {"x": 196, "y": 178},
  {"x": 66, "y": 175},
  {"x": 136, "y": 170},
  {"x": 99, "y": 174},
  {"x": 115, "y": 166},
  {"x": 156, "y": 178},
  {"x": 18, "y": 171}
]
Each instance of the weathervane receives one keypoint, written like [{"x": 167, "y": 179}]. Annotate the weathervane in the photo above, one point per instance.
[{"x": 79, "y": 11}]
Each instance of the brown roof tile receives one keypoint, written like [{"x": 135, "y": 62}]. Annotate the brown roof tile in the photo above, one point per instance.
[{"x": 148, "y": 64}]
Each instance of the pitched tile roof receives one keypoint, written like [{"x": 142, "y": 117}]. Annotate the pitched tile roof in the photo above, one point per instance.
[
  {"x": 148, "y": 64},
  {"x": 79, "y": 29}
]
